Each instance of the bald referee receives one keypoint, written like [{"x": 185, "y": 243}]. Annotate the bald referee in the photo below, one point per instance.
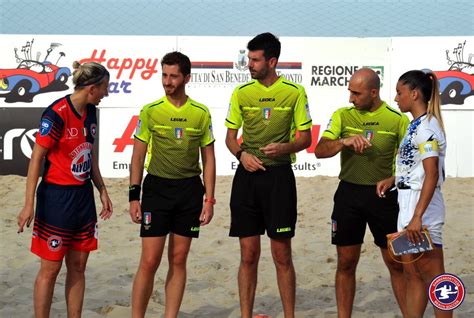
[{"x": 367, "y": 135}]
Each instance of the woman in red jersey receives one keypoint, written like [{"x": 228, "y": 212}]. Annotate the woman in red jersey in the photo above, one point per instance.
[{"x": 65, "y": 225}]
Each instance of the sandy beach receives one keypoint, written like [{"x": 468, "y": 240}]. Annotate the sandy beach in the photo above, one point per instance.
[{"x": 213, "y": 261}]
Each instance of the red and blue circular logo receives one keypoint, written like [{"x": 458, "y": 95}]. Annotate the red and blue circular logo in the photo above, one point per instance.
[{"x": 446, "y": 292}]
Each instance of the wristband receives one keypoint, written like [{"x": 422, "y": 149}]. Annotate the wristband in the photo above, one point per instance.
[
  {"x": 210, "y": 201},
  {"x": 134, "y": 192},
  {"x": 238, "y": 154}
]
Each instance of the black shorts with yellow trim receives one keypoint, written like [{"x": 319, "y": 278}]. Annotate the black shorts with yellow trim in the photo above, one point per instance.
[
  {"x": 171, "y": 205},
  {"x": 263, "y": 201}
]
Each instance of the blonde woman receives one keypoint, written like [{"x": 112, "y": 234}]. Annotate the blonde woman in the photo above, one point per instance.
[{"x": 65, "y": 221}]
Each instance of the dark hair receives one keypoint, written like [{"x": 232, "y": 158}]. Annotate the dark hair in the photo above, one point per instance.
[
  {"x": 177, "y": 58},
  {"x": 427, "y": 84},
  {"x": 90, "y": 73},
  {"x": 267, "y": 42}
]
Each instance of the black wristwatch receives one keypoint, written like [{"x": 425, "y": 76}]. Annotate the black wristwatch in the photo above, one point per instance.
[{"x": 238, "y": 154}]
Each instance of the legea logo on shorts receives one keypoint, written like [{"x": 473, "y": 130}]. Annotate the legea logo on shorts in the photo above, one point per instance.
[
  {"x": 446, "y": 292},
  {"x": 81, "y": 161}
]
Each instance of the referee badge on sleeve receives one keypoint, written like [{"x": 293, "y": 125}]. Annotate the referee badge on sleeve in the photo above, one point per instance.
[{"x": 138, "y": 127}]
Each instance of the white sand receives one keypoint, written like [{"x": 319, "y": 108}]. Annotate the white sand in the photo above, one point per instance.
[{"x": 213, "y": 261}]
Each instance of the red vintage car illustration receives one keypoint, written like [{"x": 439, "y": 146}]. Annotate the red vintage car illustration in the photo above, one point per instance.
[{"x": 32, "y": 77}]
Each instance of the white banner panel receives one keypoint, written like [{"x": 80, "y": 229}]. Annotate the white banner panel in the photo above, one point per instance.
[
  {"x": 328, "y": 65},
  {"x": 36, "y": 69},
  {"x": 452, "y": 60},
  {"x": 116, "y": 127}
]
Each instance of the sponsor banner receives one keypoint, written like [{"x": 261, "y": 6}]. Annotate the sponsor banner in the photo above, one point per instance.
[
  {"x": 18, "y": 129},
  {"x": 117, "y": 126},
  {"x": 37, "y": 69},
  {"x": 460, "y": 141},
  {"x": 223, "y": 62},
  {"x": 328, "y": 65},
  {"x": 450, "y": 58},
  {"x": 219, "y": 64}
]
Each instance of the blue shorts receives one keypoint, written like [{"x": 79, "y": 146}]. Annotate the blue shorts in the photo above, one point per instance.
[{"x": 65, "y": 219}]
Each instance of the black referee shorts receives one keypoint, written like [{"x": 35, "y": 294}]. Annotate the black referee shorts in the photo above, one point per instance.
[
  {"x": 263, "y": 200},
  {"x": 171, "y": 205},
  {"x": 357, "y": 205}
]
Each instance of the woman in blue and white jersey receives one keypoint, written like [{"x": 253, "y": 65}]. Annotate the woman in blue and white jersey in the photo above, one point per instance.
[{"x": 419, "y": 176}]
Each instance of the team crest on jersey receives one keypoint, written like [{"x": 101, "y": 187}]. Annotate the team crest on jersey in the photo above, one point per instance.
[
  {"x": 54, "y": 243},
  {"x": 147, "y": 220},
  {"x": 369, "y": 134},
  {"x": 267, "y": 113},
  {"x": 45, "y": 126},
  {"x": 93, "y": 130},
  {"x": 178, "y": 133}
]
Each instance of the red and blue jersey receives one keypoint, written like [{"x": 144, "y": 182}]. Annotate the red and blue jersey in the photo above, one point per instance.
[{"x": 69, "y": 138}]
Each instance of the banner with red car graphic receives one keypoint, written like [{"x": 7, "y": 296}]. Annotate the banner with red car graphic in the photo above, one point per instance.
[{"x": 35, "y": 70}]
